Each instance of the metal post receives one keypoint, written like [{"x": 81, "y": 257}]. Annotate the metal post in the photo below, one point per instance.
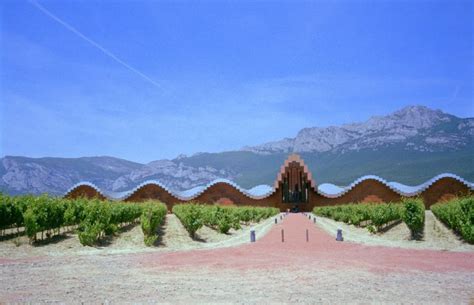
[
  {"x": 314, "y": 219},
  {"x": 307, "y": 235},
  {"x": 282, "y": 236},
  {"x": 276, "y": 220},
  {"x": 252, "y": 236},
  {"x": 339, "y": 235}
]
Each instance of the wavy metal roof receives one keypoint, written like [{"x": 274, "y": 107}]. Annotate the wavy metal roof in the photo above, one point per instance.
[
  {"x": 257, "y": 192},
  {"x": 333, "y": 191},
  {"x": 262, "y": 191}
]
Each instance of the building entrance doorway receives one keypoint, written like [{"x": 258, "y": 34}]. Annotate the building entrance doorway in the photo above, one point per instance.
[{"x": 295, "y": 182}]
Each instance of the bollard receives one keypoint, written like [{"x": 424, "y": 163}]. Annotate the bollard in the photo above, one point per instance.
[
  {"x": 282, "y": 236},
  {"x": 339, "y": 235},
  {"x": 314, "y": 219},
  {"x": 309, "y": 216},
  {"x": 307, "y": 235},
  {"x": 281, "y": 217},
  {"x": 276, "y": 220},
  {"x": 252, "y": 236}
]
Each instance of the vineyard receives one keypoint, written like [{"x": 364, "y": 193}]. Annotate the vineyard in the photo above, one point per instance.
[
  {"x": 193, "y": 216},
  {"x": 457, "y": 214},
  {"x": 375, "y": 217},
  {"x": 43, "y": 217}
]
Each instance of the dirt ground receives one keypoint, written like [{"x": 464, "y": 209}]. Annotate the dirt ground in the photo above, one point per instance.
[
  {"x": 436, "y": 235},
  {"x": 228, "y": 269}
]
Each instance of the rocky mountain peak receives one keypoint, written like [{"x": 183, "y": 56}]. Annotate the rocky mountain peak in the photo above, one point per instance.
[
  {"x": 411, "y": 122},
  {"x": 419, "y": 116}
]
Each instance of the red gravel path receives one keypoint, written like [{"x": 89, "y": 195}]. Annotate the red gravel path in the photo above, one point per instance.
[{"x": 322, "y": 251}]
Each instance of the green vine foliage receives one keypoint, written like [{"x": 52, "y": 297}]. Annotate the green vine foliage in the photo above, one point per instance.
[
  {"x": 153, "y": 215},
  {"x": 457, "y": 214},
  {"x": 43, "y": 213},
  {"x": 191, "y": 216},
  {"x": 221, "y": 218},
  {"x": 374, "y": 215},
  {"x": 44, "y": 216},
  {"x": 413, "y": 216},
  {"x": 101, "y": 218},
  {"x": 11, "y": 210}
]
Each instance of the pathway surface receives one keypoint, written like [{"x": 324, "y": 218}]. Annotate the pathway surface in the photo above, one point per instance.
[{"x": 320, "y": 251}]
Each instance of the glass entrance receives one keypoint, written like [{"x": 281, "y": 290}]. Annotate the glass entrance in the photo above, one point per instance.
[{"x": 295, "y": 185}]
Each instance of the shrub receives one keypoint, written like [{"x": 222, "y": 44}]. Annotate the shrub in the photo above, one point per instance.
[
  {"x": 457, "y": 214},
  {"x": 96, "y": 222},
  {"x": 43, "y": 213},
  {"x": 11, "y": 211},
  {"x": 153, "y": 215},
  {"x": 89, "y": 233},
  {"x": 124, "y": 212},
  {"x": 413, "y": 216},
  {"x": 194, "y": 216},
  {"x": 221, "y": 218},
  {"x": 376, "y": 214},
  {"x": 191, "y": 216},
  {"x": 74, "y": 212},
  {"x": 100, "y": 218},
  {"x": 381, "y": 214},
  {"x": 247, "y": 214}
]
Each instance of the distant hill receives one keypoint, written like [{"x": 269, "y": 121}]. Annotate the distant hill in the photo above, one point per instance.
[
  {"x": 55, "y": 175},
  {"x": 408, "y": 146}
]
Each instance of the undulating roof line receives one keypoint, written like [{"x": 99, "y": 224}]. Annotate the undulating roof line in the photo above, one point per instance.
[
  {"x": 263, "y": 191},
  {"x": 257, "y": 192},
  {"x": 333, "y": 191}
]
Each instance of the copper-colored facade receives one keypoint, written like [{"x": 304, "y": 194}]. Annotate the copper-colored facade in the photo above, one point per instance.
[
  {"x": 86, "y": 191},
  {"x": 294, "y": 188}
]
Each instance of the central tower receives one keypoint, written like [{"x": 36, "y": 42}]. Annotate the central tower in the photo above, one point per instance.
[{"x": 295, "y": 182}]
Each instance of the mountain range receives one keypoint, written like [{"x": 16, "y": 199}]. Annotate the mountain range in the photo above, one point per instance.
[{"x": 409, "y": 146}]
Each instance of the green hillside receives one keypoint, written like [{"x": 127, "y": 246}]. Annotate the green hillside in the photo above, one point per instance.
[{"x": 391, "y": 163}]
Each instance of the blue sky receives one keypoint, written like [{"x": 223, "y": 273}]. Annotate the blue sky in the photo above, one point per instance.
[{"x": 145, "y": 80}]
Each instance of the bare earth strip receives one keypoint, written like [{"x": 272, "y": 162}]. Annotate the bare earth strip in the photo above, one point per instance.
[
  {"x": 293, "y": 272},
  {"x": 436, "y": 235}
]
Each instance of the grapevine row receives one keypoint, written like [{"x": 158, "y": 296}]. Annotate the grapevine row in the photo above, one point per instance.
[
  {"x": 376, "y": 216},
  {"x": 457, "y": 214},
  {"x": 92, "y": 218},
  {"x": 193, "y": 216}
]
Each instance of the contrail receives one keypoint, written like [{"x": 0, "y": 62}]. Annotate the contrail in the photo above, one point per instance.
[
  {"x": 92, "y": 42},
  {"x": 455, "y": 93}
]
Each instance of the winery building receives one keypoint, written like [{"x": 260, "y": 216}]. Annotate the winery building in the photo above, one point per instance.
[{"x": 294, "y": 188}]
